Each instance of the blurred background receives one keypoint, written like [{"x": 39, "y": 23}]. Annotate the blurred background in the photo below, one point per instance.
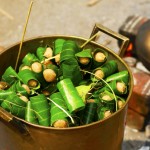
[{"x": 66, "y": 17}]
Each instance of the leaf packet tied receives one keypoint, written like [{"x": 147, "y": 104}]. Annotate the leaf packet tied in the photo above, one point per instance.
[
  {"x": 50, "y": 89},
  {"x": 71, "y": 69},
  {"x": 50, "y": 73},
  {"x": 90, "y": 111},
  {"x": 29, "y": 59},
  {"x": 99, "y": 57},
  {"x": 122, "y": 76},
  {"x": 104, "y": 112},
  {"x": 105, "y": 70},
  {"x": 83, "y": 91},
  {"x": 108, "y": 100},
  {"x": 73, "y": 100},
  {"x": 69, "y": 49},
  {"x": 84, "y": 57},
  {"x": 30, "y": 115},
  {"x": 4, "y": 94},
  {"x": 10, "y": 75},
  {"x": 118, "y": 87},
  {"x": 33, "y": 64},
  {"x": 58, "y": 45},
  {"x": 41, "y": 108},
  {"x": 18, "y": 88},
  {"x": 57, "y": 49},
  {"x": 29, "y": 79},
  {"x": 58, "y": 114},
  {"x": 14, "y": 104},
  {"x": 40, "y": 53}
]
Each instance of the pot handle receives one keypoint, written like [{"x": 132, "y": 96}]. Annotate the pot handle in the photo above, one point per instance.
[
  {"x": 7, "y": 117},
  {"x": 125, "y": 40}
]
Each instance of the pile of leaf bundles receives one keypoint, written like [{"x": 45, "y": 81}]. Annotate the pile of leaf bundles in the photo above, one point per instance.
[{"x": 63, "y": 85}]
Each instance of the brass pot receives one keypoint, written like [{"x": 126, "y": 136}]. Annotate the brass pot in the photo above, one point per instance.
[{"x": 106, "y": 134}]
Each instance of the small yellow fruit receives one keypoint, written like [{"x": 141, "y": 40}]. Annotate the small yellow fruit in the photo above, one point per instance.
[
  {"x": 49, "y": 75},
  {"x": 26, "y": 88},
  {"x": 120, "y": 104},
  {"x": 32, "y": 83},
  {"x": 36, "y": 67},
  {"x": 61, "y": 124},
  {"x": 106, "y": 97},
  {"x": 121, "y": 87},
  {"x": 99, "y": 57},
  {"x": 25, "y": 67},
  {"x": 57, "y": 58},
  {"x": 99, "y": 74},
  {"x": 84, "y": 60},
  {"x": 24, "y": 98},
  {"x": 48, "y": 52},
  {"x": 107, "y": 113}
]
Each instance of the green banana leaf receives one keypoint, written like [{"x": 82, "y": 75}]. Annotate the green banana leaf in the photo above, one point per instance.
[
  {"x": 15, "y": 105},
  {"x": 58, "y": 44},
  {"x": 83, "y": 91},
  {"x": 96, "y": 64},
  {"x": 53, "y": 67},
  {"x": 10, "y": 76},
  {"x": 4, "y": 94},
  {"x": 27, "y": 75},
  {"x": 69, "y": 49},
  {"x": 110, "y": 103},
  {"x": 122, "y": 76},
  {"x": 84, "y": 53},
  {"x": 109, "y": 68},
  {"x": 56, "y": 112},
  {"x": 30, "y": 115},
  {"x": 101, "y": 112},
  {"x": 73, "y": 100},
  {"x": 113, "y": 85},
  {"x": 29, "y": 59},
  {"x": 122, "y": 100},
  {"x": 51, "y": 88},
  {"x": 89, "y": 113},
  {"x": 22, "y": 66},
  {"x": 40, "y": 53},
  {"x": 40, "y": 105},
  {"x": 70, "y": 69},
  {"x": 18, "y": 111},
  {"x": 17, "y": 88}
]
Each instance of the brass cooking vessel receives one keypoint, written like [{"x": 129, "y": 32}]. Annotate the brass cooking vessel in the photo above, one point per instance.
[{"x": 18, "y": 134}]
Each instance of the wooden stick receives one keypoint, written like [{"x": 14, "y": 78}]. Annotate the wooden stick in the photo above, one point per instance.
[
  {"x": 23, "y": 35},
  {"x": 95, "y": 35}
]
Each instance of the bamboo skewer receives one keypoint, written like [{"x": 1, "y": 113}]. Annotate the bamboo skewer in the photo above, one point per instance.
[
  {"x": 90, "y": 39},
  {"x": 23, "y": 35}
]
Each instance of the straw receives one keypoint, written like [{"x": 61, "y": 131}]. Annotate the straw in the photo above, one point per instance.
[
  {"x": 23, "y": 35},
  {"x": 90, "y": 39}
]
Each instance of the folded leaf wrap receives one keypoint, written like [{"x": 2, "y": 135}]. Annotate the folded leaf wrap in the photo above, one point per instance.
[
  {"x": 56, "y": 112},
  {"x": 73, "y": 101},
  {"x": 40, "y": 105}
]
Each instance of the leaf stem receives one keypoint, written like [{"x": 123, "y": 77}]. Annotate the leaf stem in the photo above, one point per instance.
[
  {"x": 62, "y": 110},
  {"x": 90, "y": 39},
  {"x": 107, "y": 85},
  {"x": 23, "y": 35}
]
